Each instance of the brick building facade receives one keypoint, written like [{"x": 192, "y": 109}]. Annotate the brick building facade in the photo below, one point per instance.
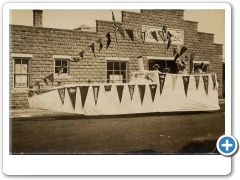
[{"x": 36, "y": 52}]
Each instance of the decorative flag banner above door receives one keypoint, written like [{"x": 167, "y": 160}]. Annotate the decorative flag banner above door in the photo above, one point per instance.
[{"x": 176, "y": 38}]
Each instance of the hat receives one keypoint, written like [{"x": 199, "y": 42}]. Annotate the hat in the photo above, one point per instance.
[{"x": 156, "y": 66}]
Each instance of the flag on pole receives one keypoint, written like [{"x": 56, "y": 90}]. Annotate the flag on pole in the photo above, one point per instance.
[
  {"x": 115, "y": 28},
  {"x": 108, "y": 40}
]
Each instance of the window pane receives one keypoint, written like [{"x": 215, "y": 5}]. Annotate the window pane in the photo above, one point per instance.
[
  {"x": 24, "y": 68},
  {"x": 109, "y": 65},
  {"x": 64, "y": 70},
  {"x": 24, "y": 81},
  {"x": 205, "y": 68},
  {"x": 109, "y": 73},
  {"x": 64, "y": 63},
  {"x": 57, "y": 69},
  {"x": 17, "y": 81},
  {"x": 24, "y": 61},
  {"x": 123, "y": 65},
  {"x": 17, "y": 61},
  {"x": 116, "y": 66},
  {"x": 17, "y": 68},
  {"x": 57, "y": 62},
  {"x": 123, "y": 73}
]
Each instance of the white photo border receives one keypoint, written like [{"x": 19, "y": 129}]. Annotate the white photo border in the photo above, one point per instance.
[{"x": 114, "y": 164}]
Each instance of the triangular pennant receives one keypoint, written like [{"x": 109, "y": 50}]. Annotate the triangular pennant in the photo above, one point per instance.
[
  {"x": 50, "y": 77},
  {"x": 169, "y": 42},
  {"x": 93, "y": 49},
  {"x": 31, "y": 93},
  {"x": 83, "y": 93},
  {"x": 107, "y": 87},
  {"x": 46, "y": 81},
  {"x": 130, "y": 34},
  {"x": 154, "y": 35},
  {"x": 174, "y": 52},
  {"x": 141, "y": 91},
  {"x": 161, "y": 34},
  {"x": 81, "y": 54},
  {"x": 72, "y": 94},
  {"x": 174, "y": 79},
  {"x": 37, "y": 84},
  {"x": 161, "y": 81},
  {"x": 176, "y": 57},
  {"x": 183, "y": 50},
  {"x": 186, "y": 83},
  {"x": 100, "y": 44},
  {"x": 120, "y": 91},
  {"x": 108, "y": 40},
  {"x": 121, "y": 30},
  {"x": 214, "y": 81},
  {"x": 197, "y": 81},
  {"x": 205, "y": 82},
  {"x": 131, "y": 90},
  {"x": 153, "y": 88},
  {"x": 143, "y": 36},
  {"x": 95, "y": 93},
  {"x": 78, "y": 57},
  {"x": 61, "y": 93}
]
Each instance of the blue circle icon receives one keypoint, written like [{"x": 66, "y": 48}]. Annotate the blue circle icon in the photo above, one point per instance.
[{"x": 227, "y": 145}]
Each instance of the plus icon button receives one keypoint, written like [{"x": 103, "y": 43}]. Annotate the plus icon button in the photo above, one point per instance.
[{"x": 227, "y": 145}]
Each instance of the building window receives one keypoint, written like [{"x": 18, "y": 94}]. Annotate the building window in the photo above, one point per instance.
[
  {"x": 203, "y": 65},
  {"x": 61, "y": 67},
  {"x": 117, "y": 72},
  {"x": 21, "y": 72}
]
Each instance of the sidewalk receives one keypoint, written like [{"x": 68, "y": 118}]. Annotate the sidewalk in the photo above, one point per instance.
[{"x": 39, "y": 114}]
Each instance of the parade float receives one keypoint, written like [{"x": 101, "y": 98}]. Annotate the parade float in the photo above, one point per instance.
[{"x": 146, "y": 92}]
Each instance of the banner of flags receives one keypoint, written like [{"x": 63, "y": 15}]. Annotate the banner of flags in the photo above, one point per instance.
[{"x": 72, "y": 91}]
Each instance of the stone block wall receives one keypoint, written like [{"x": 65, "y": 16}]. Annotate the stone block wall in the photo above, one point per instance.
[{"x": 43, "y": 43}]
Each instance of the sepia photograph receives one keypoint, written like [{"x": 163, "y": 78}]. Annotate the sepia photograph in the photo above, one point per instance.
[{"x": 116, "y": 81}]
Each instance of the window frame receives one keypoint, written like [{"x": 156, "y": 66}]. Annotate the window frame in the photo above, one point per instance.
[
  {"x": 200, "y": 62},
  {"x": 119, "y": 60},
  {"x": 61, "y": 58},
  {"x": 22, "y": 57}
]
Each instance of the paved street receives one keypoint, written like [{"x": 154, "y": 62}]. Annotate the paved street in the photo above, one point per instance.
[{"x": 146, "y": 134}]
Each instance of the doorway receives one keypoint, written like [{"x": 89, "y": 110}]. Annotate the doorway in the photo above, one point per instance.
[{"x": 170, "y": 64}]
